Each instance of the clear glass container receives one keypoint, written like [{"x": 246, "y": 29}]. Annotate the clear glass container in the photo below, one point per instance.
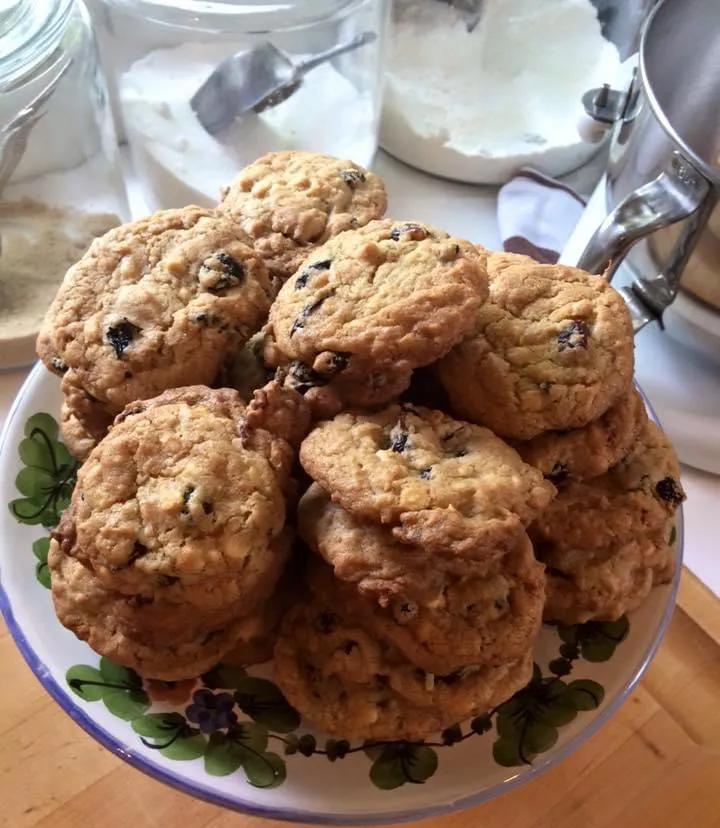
[
  {"x": 60, "y": 179},
  {"x": 506, "y": 87},
  {"x": 164, "y": 51}
]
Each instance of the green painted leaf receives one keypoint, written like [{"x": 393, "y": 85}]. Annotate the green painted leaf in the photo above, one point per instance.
[
  {"x": 307, "y": 744},
  {"x": 598, "y": 650},
  {"x": 45, "y": 423},
  {"x": 158, "y": 726},
  {"x": 126, "y": 704},
  {"x": 557, "y": 713},
  {"x": 222, "y": 756},
  {"x": 569, "y": 635},
  {"x": 264, "y": 702},
  {"x": 35, "y": 484},
  {"x": 36, "y": 452},
  {"x": 115, "y": 674},
  {"x": 372, "y": 750},
  {"x": 584, "y": 694},
  {"x": 223, "y": 677},
  {"x": 40, "y": 549},
  {"x": 616, "y": 630},
  {"x": 251, "y": 735},
  {"x": 538, "y": 737},
  {"x": 560, "y": 667},
  {"x": 551, "y": 688},
  {"x": 42, "y": 573},
  {"x": 419, "y": 762},
  {"x": 182, "y": 750},
  {"x": 63, "y": 458},
  {"x": 508, "y": 727},
  {"x": 452, "y": 735},
  {"x": 27, "y": 511},
  {"x": 513, "y": 705},
  {"x": 387, "y": 772},
  {"x": 265, "y": 770},
  {"x": 336, "y": 749},
  {"x": 85, "y": 682},
  {"x": 291, "y": 744},
  {"x": 506, "y": 752}
]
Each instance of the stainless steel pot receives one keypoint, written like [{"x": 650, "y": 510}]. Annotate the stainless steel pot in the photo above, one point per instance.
[{"x": 664, "y": 170}]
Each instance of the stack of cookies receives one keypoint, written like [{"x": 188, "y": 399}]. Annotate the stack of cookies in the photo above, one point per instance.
[
  {"x": 426, "y": 597},
  {"x": 175, "y": 537},
  {"x": 550, "y": 369}
]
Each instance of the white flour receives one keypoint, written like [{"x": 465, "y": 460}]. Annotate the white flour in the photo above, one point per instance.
[
  {"x": 475, "y": 106},
  {"x": 181, "y": 164}
]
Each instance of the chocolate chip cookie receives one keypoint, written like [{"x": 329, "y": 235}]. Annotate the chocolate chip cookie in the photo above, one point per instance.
[
  {"x": 180, "y": 490},
  {"x": 605, "y": 583},
  {"x": 553, "y": 350},
  {"x": 591, "y": 450},
  {"x": 450, "y": 487},
  {"x": 637, "y": 496},
  {"x": 371, "y": 305},
  {"x": 351, "y": 686},
  {"x": 289, "y": 202},
  {"x": 484, "y": 621},
  {"x": 154, "y": 304}
]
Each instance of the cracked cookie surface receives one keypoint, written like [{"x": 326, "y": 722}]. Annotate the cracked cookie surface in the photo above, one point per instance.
[{"x": 553, "y": 350}]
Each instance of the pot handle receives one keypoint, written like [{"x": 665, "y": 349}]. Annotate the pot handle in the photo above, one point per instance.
[{"x": 679, "y": 192}]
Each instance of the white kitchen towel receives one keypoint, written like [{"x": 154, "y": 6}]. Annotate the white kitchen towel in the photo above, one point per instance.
[{"x": 537, "y": 214}]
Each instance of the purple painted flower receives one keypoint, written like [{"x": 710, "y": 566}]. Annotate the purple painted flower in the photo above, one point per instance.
[{"x": 211, "y": 712}]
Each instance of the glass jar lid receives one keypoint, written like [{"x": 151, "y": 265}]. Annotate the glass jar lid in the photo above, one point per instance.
[
  {"x": 29, "y": 32},
  {"x": 249, "y": 16}
]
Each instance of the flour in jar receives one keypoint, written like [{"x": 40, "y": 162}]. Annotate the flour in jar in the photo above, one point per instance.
[
  {"x": 476, "y": 105},
  {"x": 181, "y": 164}
]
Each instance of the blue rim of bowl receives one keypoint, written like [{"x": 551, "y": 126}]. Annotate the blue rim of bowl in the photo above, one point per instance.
[{"x": 180, "y": 783}]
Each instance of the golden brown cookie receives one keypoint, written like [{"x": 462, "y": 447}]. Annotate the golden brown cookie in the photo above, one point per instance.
[
  {"x": 605, "y": 583},
  {"x": 637, "y": 496},
  {"x": 485, "y": 621},
  {"x": 181, "y": 490},
  {"x": 353, "y": 687},
  {"x": 166, "y": 651},
  {"x": 553, "y": 349},
  {"x": 591, "y": 450},
  {"x": 288, "y": 202},
  {"x": 450, "y": 487},
  {"x": 371, "y": 305},
  {"x": 154, "y": 304}
]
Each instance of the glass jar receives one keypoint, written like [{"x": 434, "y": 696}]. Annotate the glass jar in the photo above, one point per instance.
[
  {"x": 60, "y": 179},
  {"x": 505, "y": 89},
  {"x": 164, "y": 51}
]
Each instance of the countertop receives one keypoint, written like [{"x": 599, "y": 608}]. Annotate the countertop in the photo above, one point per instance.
[{"x": 656, "y": 764}]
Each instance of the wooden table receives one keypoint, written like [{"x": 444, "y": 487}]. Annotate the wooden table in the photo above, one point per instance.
[{"x": 656, "y": 764}]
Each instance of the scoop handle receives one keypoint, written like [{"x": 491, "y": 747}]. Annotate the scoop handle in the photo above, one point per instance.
[{"x": 359, "y": 40}]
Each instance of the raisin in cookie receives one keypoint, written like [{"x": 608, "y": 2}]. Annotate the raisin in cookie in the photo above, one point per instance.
[
  {"x": 637, "y": 496},
  {"x": 484, "y": 621},
  {"x": 591, "y": 450},
  {"x": 605, "y": 583},
  {"x": 450, "y": 487},
  {"x": 182, "y": 488},
  {"x": 288, "y": 202},
  {"x": 351, "y": 686},
  {"x": 153, "y": 304},
  {"x": 371, "y": 305},
  {"x": 553, "y": 350},
  {"x": 167, "y": 652}
]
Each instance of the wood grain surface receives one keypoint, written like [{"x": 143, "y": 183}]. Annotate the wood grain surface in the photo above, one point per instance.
[{"x": 656, "y": 763}]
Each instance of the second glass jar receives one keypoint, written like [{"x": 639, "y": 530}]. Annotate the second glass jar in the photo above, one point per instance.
[{"x": 162, "y": 53}]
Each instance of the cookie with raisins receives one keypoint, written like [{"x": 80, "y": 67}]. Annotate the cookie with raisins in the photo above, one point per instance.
[
  {"x": 591, "y": 450},
  {"x": 484, "y": 621},
  {"x": 636, "y": 496},
  {"x": 605, "y": 583},
  {"x": 553, "y": 350},
  {"x": 355, "y": 687},
  {"x": 154, "y": 304},
  {"x": 373, "y": 304},
  {"x": 450, "y": 487},
  {"x": 289, "y": 202}
]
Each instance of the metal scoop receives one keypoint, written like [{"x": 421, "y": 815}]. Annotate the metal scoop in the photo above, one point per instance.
[{"x": 256, "y": 80}]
